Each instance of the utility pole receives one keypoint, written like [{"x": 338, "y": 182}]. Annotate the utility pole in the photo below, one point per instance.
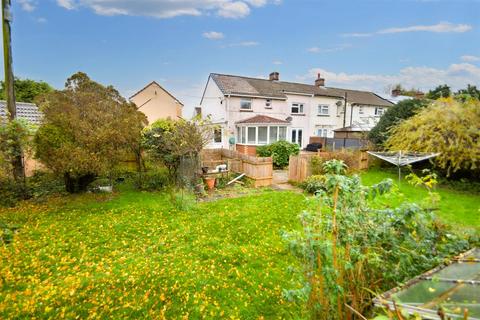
[{"x": 17, "y": 162}]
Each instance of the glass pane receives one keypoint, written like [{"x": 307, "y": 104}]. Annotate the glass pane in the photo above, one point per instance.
[
  {"x": 243, "y": 135},
  {"x": 294, "y": 136},
  {"x": 300, "y": 137},
  {"x": 239, "y": 135},
  {"x": 217, "y": 135},
  {"x": 262, "y": 135},
  {"x": 273, "y": 134},
  {"x": 252, "y": 131},
  {"x": 282, "y": 135},
  {"x": 245, "y": 104}
]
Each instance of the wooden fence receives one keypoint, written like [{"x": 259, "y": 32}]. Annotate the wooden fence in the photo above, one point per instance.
[
  {"x": 260, "y": 170},
  {"x": 300, "y": 167}
]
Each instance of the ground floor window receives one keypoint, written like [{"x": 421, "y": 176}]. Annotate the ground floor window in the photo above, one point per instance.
[
  {"x": 261, "y": 135},
  {"x": 217, "y": 135}
]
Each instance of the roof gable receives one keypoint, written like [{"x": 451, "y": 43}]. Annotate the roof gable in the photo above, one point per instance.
[{"x": 155, "y": 84}]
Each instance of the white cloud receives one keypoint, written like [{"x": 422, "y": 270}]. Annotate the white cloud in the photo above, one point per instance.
[
  {"x": 277, "y": 62},
  {"x": 213, "y": 35},
  {"x": 67, "y": 4},
  {"x": 424, "y": 78},
  {"x": 442, "y": 27},
  {"x": 233, "y": 9},
  {"x": 27, "y": 5},
  {"x": 469, "y": 58},
  {"x": 329, "y": 49},
  {"x": 42, "y": 20},
  {"x": 242, "y": 44}
]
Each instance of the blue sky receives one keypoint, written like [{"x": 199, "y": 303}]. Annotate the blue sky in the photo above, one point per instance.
[{"x": 354, "y": 44}]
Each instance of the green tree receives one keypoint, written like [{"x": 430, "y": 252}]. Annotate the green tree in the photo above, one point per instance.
[
  {"x": 471, "y": 92},
  {"x": 449, "y": 127},
  {"x": 26, "y": 90},
  {"x": 87, "y": 129},
  {"x": 442, "y": 91},
  {"x": 395, "y": 115},
  {"x": 172, "y": 142}
]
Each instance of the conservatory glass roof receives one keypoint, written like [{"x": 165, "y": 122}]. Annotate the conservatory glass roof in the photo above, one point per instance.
[{"x": 454, "y": 287}]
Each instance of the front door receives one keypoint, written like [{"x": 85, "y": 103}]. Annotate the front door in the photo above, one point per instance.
[{"x": 296, "y": 136}]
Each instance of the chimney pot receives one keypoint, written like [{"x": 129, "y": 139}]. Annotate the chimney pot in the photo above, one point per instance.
[
  {"x": 274, "y": 76},
  {"x": 396, "y": 92}
]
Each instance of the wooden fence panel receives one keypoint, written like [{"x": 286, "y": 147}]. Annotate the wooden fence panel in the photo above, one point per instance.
[
  {"x": 259, "y": 169},
  {"x": 300, "y": 168}
]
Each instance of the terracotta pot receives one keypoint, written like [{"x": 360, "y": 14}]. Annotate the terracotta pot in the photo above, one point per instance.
[{"x": 210, "y": 181}]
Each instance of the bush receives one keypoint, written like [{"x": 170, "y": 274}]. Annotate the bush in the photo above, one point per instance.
[
  {"x": 280, "y": 152},
  {"x": 10, "y": 193},
  {"x": 348, "y": 250},
  {"x": 153, "y": 180},
  {"x": 447, "y": 127},
  {"x": 45, "y": 183},
  {"x": 313, "y": 184}
]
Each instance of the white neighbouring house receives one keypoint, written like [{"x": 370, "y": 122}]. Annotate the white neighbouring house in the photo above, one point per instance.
[{"x": 252, "y": 112}]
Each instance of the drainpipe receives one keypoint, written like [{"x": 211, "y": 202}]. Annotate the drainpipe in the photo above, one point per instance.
[
  {"x": 351, "y": 115},
  {"x": 345, "y": 110}
]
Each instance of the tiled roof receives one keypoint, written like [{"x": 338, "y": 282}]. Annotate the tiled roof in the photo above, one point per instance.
[
  {"x": 27, "y": 111},
  {"x": 263, "y": 120},
  {"x": 244, "y": 86}
]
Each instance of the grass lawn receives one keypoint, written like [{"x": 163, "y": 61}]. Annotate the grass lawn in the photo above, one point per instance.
[
  {"x": 134, "y": 255},
  {"x": 458, "y": 208}
]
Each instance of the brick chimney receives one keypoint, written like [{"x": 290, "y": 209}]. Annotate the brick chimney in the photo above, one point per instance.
[
  {"x": 274, "y": 76},
  {"x": 320, "y": 82}
]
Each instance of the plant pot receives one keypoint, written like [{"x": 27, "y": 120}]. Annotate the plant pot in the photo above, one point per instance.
[{"x": 210, "y": 182}]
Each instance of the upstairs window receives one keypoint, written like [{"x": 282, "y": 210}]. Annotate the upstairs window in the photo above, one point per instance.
[
  {"x": 379, "y": 111},
  {"x": 297, "y": 108},
  {"x": 323, "y": 110},
  {"x": 246, "y": 104}
]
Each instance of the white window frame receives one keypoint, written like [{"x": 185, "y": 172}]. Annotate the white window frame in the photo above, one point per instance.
[
  {"x": 298, "y": 141},
  {"x": 245, "y": 101},
  {"x": 323, "y": 110},
  {"x": 379, "y": 111},
  {"x": 322, "y": 132},
  {"x": 243, "y": 130},
  {"x": 299, "y": 106}
]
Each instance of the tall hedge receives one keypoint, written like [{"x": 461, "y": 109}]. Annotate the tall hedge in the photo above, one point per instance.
[{"x": 394, "y": 115}]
